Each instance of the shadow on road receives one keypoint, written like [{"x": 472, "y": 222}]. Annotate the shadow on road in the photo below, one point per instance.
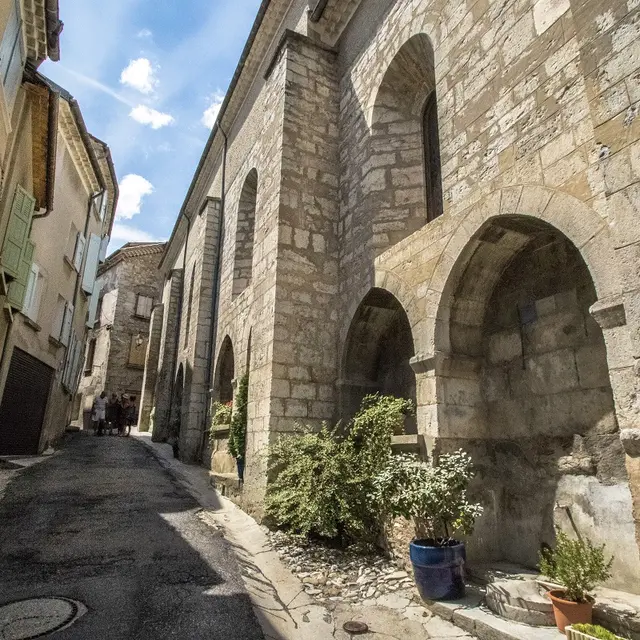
[{"x": 103, "y": 523}]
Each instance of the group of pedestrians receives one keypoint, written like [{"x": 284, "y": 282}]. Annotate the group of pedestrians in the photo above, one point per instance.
[{"x": 117, "y": 413}]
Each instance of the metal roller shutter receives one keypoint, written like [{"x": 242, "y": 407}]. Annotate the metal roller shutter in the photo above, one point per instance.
[{"x": 24, "y": 403}]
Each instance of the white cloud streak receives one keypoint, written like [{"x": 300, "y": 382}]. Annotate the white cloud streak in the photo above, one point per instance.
[
  {"x": 140, "y": 75},
  {"x": 133, "y": 188},
  {"x": 144, "y": 33},
  {"x": 121, "y": 233},
  {"x": 211, "y": 112},
  {"x": 146, "y": 115},
  {"x": 96, "y": 84}
]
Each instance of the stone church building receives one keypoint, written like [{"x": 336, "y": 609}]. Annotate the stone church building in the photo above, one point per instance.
[{"x": 438, "y": 199}]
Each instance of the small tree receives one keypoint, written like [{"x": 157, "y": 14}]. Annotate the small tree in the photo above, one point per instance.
[
  {"x": 238, "y": 427},
  {"x": 577, "y": 565},
  {"x": 434, "y": 495}
]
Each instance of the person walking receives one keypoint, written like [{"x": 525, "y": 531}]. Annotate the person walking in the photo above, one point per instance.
[
  {"x": 132, "y": 414},
  {"x": 100, "y": 411},
  {"x": 114, "y": 409}
]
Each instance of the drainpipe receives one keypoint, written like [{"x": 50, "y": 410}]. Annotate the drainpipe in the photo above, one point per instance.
[
  {"x": 176, "y": 338},
  {"x": 214, "y": 298}
]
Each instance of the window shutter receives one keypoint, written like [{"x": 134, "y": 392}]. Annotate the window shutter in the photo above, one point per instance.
[
  {"x": 11, "y": 56},
  {"x": 103, "y": 204},
  {"x": 91, "y": 263},
  {"x": 17, "y": 231},
  {"x": 93, "y": 304},
  {"x": 79, "y": 251},
  {"x": 103, "y": 249},
  {"x": 18, "y": 287},
  {"x": 66, "y": 324}
]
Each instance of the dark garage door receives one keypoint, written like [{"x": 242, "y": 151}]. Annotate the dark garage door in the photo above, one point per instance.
[{"x": 24, "y": 404}]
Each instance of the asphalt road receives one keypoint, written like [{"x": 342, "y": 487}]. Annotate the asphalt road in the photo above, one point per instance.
[{"x": 102, "y": 522}]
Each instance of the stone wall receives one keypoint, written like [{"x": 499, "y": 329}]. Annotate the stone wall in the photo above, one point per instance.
[
  {"x": 537, "y": 106},
  {"x": 147, "y": 399}
]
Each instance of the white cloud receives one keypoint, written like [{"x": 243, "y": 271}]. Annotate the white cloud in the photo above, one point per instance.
[
  {"x": 211, "y": 112},
  {"x": 133, "y": 188},
  {"x": 126, "y": 233},
  {"x": 140, "y": 75},
  {"x": 147, "y": 115},
  {"x": 144, "y": 33}
]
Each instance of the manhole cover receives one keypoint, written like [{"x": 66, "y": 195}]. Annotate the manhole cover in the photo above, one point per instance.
[
  {"x": 355, "y": 627},
  {"x": 36, "y": 617}
]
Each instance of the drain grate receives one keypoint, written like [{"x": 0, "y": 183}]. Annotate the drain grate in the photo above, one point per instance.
[{"x": 37, "y": 617}]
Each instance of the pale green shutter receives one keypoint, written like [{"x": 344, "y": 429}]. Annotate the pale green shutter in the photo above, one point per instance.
[
  {"x": 18, "y": 287},
  {"x": 17, "y": 231}
]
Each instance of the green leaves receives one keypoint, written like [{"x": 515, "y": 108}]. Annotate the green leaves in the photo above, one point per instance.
[
  {"x": 436, "y": 495},
  {"x": 238, "y": 428},
  {"x": 577, "y": 565},
  {"x": 323, "y": 481}
]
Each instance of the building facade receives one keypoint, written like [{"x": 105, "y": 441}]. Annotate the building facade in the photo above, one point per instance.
[
  {"x": 129, "y": 286},
  {"x": 436, "y": 199},
  {"x": 53, "y": 244}
]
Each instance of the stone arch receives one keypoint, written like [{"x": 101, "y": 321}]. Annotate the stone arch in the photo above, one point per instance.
[
  {"x": 246, "y": 219},
  {"x": 402, "y": 180},
  {"x": 522, "y": 378},
  {"x": 177, "y": 394},
  {"x": 377, "y": 353},
  {"x": 225, "y": 372}
]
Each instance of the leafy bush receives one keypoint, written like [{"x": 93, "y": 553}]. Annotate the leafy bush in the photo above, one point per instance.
[
  {"x": 433, "y": 494},
  {"x": 596, "y": 631},
  {"x": 323, "y": 481},
  {"x": 577, "y": 565},
  {"x": 221, "y": 415},
  {"x": 238, "y": 427}
]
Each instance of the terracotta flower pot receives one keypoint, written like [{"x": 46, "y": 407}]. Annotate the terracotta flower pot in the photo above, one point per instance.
[{"x": 568, "y": 612}]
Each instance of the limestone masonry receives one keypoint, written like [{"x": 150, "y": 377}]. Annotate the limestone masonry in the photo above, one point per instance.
[{"x": 438, "y": 199}]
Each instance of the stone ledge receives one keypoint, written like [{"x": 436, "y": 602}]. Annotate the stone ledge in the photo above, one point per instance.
[
  {"x": 609, "y": 312},
  {"x": 469, "y": 616}
]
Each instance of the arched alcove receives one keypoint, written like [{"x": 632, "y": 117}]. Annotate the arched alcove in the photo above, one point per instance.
[
  {"x": 404, "y": 173},
  {"x": 225, "y": 372},
  {"x": 376, "y": 356},
  {"x": 243, "y": 259},
  {"x": 175, "y": 420},
  {"x": 523, "y": 385}
]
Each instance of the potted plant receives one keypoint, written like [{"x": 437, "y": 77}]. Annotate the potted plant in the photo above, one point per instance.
[
  {"x": 577, "y": 566},
  {"x": 435, "y": 496},
  {"x": 589, "y": 632}
]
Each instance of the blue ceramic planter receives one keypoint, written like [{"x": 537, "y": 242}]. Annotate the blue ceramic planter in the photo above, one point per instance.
[{"x": 438, "y": 571}]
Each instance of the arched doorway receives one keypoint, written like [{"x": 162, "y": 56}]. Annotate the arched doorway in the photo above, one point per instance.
[
  {"x": 376, "y": 357},
  {"x": 523, "y": 385}
]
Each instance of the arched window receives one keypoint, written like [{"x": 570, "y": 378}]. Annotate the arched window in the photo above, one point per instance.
[
  {"x": 406, "y": 144},
  {"x": 244, "y": 234},
  {"x": 432, "y": 167},
  {"x": 189, "y": 305}
]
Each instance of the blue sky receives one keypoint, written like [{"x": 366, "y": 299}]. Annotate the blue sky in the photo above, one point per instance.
[{"x": 149, "y": 76}]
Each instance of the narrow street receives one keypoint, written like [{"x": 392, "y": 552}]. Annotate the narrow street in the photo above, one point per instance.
[{"x": 102, "y": 523}]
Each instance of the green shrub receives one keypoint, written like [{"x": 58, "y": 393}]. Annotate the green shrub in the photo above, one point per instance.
[
  {"x": 221, "y": 415},
  {"x": 577, "y": 565},
  {"x": 323, "y": 481},
  {"x": 238, "y": 427},
  {"x": 433, "y": 494},
  {"x": 596, "y": 631}
]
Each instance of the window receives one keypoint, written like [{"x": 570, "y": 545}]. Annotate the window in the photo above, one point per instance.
[
  {"x": 243, "y": 259},
  {"x": 433, "y": 177},
  {"x": 56, "y": 327},
  {"x": 12, "y": 55},
  {"x": 33, "y": 296},
  {"x": 91, "y": 354},
  {"x": 189, "y": 304},
  {"x": 138, "y": 351},
  {"x": 72, "y": 244},
  {"x": 144, "y": 306}
]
